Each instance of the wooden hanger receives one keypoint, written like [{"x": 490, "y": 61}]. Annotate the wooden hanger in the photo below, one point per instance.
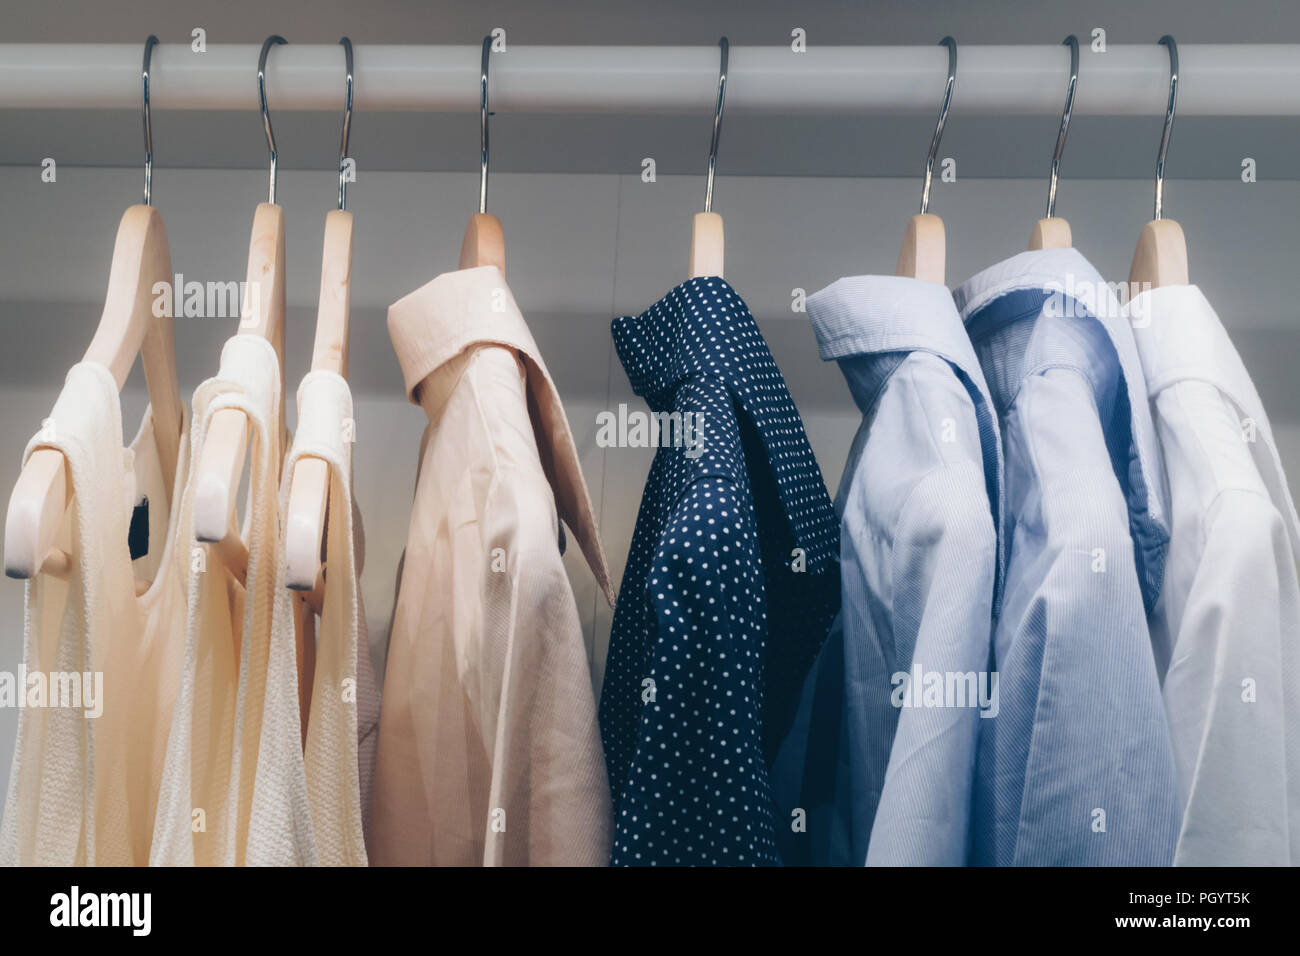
[
  {"x": 304, "y": 528},
  {"x": 924, "y": 249},
  {"x": 1052, "y": 232},
  {"x": 1160, "y": 258},
  {"x": 707, "y": 239},
  {"x": 484, "y": 243},
  {"x": 127, "y": 327},
  {"x": 707, "y": 245},
  {"x": 221, "y": 460},
  {"x": 309, "y": 485}
]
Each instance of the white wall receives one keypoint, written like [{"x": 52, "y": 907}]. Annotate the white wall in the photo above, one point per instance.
[{"x": 580, "y": 249}]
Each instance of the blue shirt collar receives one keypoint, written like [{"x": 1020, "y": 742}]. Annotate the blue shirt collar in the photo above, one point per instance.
[
  {"x": 868, "y": 324},
  {"x": 1065, "y": 285},
  {"x": 858, "y": 317}
]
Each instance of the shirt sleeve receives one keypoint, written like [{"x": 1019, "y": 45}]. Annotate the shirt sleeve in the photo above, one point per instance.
[
  {"x": 944, "y": 563},
  {"x": 1224, "y": 691},
  {"x": 697, "y": 790},
  {"x": 547, "y": 796}
]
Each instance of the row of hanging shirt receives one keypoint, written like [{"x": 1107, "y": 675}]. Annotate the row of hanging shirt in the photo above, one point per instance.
[
  {"x": 1045, "y": 487},
  {"x": 239, "y": 720},
  {"x": 1061, "y": 567},
  {"x": 1070, "y": 630},
  {"x": 1052, "y": 618}
]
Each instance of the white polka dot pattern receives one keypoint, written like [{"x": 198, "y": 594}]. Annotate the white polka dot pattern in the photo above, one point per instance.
[{"x": 715, "y": 629}]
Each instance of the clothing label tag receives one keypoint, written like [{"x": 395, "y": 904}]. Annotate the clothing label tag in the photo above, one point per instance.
[{"x": 137, "y": 538}]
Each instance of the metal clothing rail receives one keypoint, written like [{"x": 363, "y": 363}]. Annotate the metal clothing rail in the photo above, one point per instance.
[{"x": 1217, "y": 79}]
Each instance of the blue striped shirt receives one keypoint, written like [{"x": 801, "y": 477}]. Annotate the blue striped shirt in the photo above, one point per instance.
[
  {"x": 1077, "y": 768},
  {"x": 882, "y": 758}
]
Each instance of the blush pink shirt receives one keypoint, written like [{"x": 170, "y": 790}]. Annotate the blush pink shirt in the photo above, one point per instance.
[{"x": 489, "y": 748}]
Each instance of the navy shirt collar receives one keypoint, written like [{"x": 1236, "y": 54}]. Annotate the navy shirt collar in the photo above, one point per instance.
[{"x": 702, "y": 329}]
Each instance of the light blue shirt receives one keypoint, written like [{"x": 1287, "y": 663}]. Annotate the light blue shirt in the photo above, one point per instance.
[
  {"x": 1077, "y": 768},
  {"x": 883, "y": 756}
]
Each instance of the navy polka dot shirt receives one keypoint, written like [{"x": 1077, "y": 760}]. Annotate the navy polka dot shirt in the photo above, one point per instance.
[{"x": 730, "y": 588}]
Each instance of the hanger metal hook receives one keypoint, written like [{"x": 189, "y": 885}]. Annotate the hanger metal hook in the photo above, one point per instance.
[
  {"x": 266, "y": 113},
  {"x": 483, "y": 124},
  {"x": 725, "y": 48},
  {"x": 1167, "y": 41},
  {"x": 347, "y": 128},
  {"x": 951, "y": 44},
  {"x": 1072, "y": 42},
  {"x": 149, "y": 44}
]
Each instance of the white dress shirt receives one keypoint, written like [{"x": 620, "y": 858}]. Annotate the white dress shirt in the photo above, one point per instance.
[{"x": 1227, "y": 632}]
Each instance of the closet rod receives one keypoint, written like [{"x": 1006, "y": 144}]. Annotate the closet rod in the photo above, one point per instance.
[{"x": 1217, "y": 79}]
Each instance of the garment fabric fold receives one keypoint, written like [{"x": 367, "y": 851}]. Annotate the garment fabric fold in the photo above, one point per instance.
[
  {"x": 85, "y": 777},
  {"x": 1227, "y": 628},
  {"x": 729, "y": 590},
  {"x": 489, "y": 751},
  {"x": 308, "y": 803},
  {"x": 1078, "y": 766},
  {"x": 210, "y": 773},
  {"x": 883, "y": 755}
]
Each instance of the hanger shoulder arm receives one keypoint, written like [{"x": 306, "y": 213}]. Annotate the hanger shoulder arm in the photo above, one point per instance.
[
  {"x": 141, "y": 260},
  {"x": 309, "y": 481},
  {"x": 330, "y": 348},
  {"x": 220, "y": 468},
  {"x": 225, "y": 445},
  {"x": 264, "y": 296},
  {"x": 305, "y": 522},
  {"x": 162, "y": 382},
  {"x": 263, "y": 308},
  {"x": 135, "y": 320},
  {"x": 36, "y": 506}
]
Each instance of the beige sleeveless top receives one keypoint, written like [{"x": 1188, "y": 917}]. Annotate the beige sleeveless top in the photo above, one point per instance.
[
  {"x": 307, "y": 807},
  {"x": 85, "y": 779},
  {"x": 210, "y": 771}
]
